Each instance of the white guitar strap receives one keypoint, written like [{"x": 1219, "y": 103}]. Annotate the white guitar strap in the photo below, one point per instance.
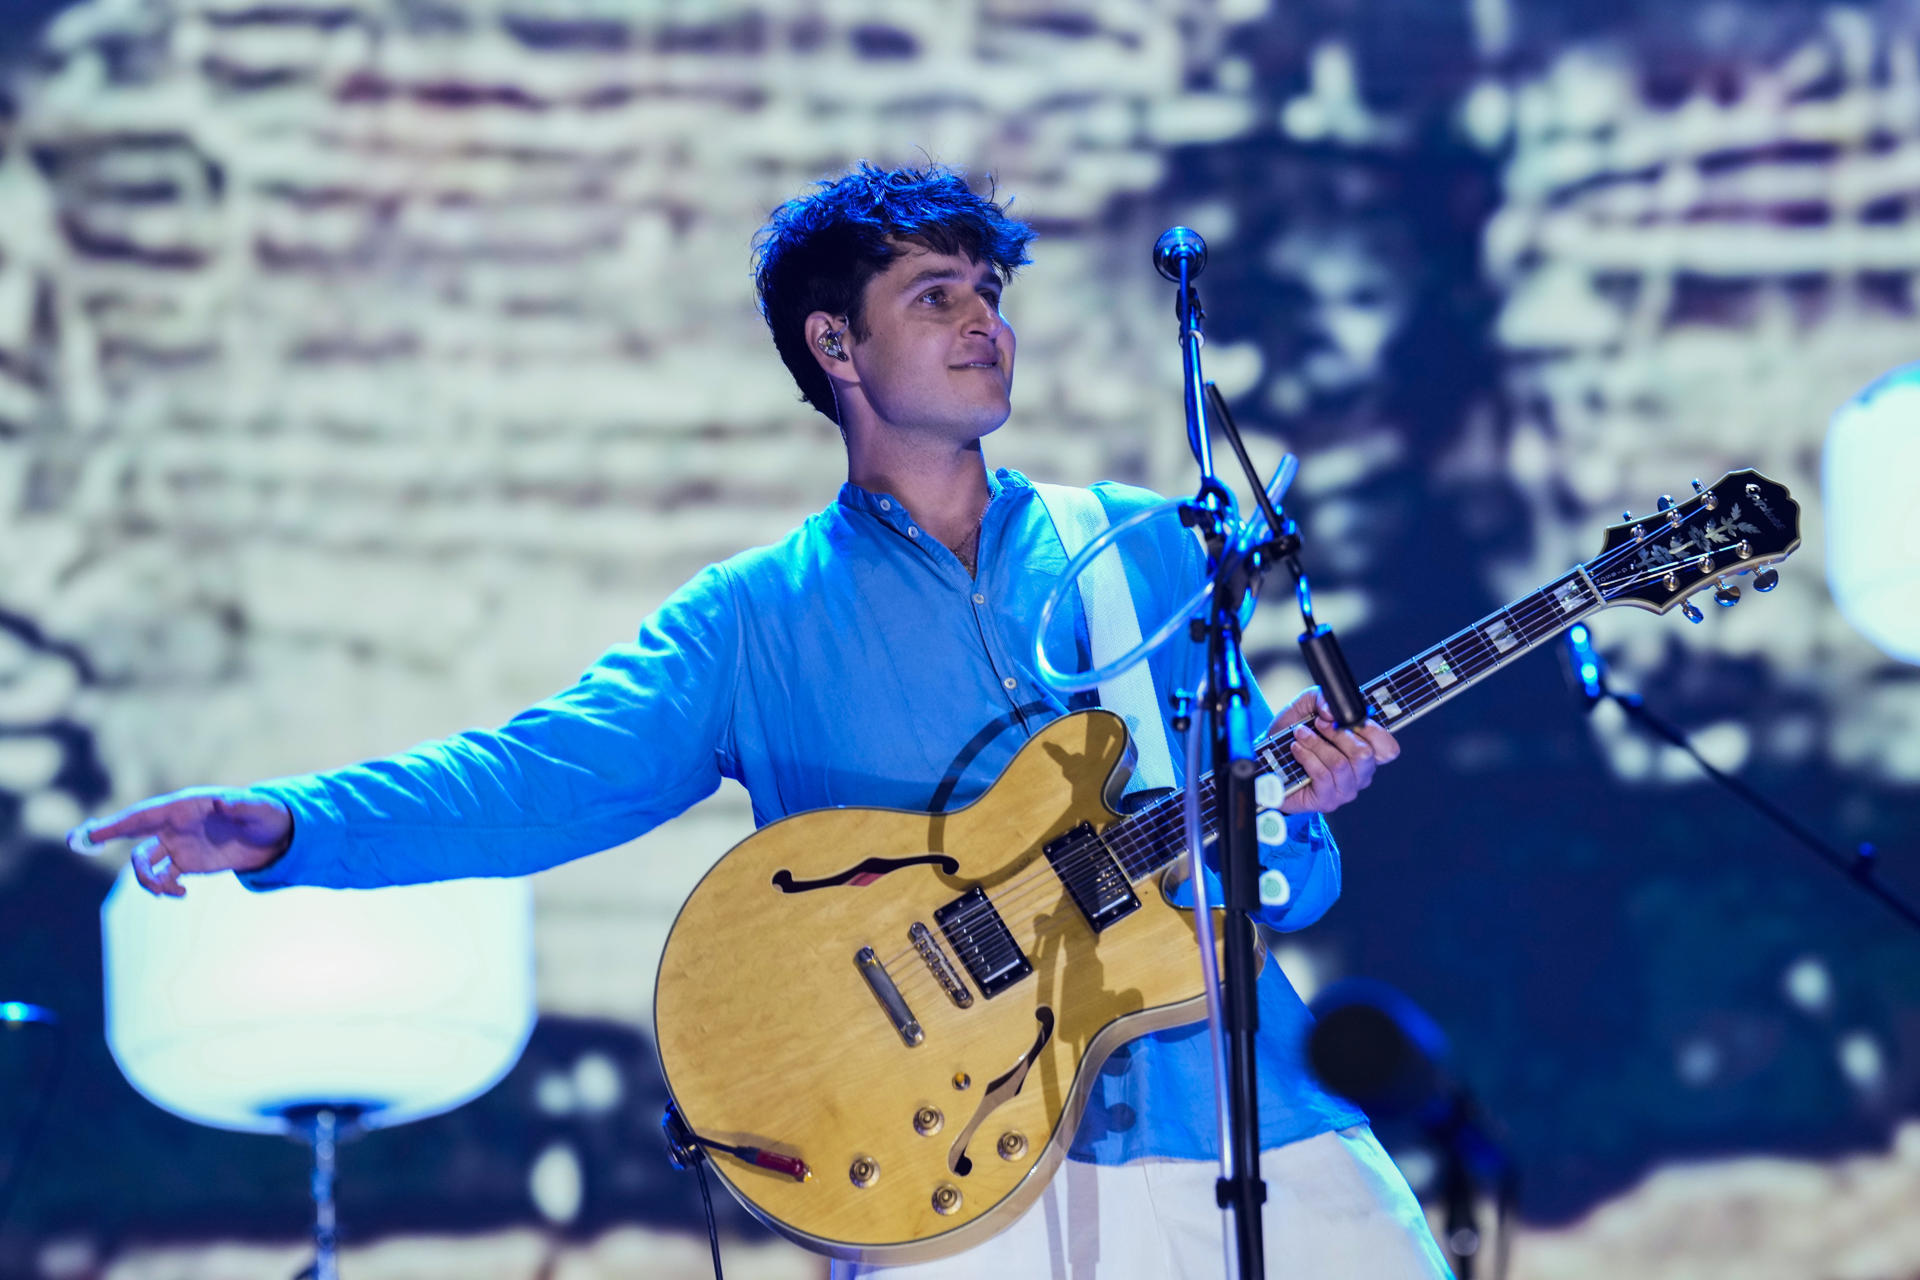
[{"x": 1113, "y": 628}]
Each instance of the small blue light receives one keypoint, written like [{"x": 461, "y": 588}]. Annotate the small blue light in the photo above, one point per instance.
[
  {"x": 1589, "y": 672},
  {"x": 1579, "y": 633},
  {"x": 14, "y": 1011}
]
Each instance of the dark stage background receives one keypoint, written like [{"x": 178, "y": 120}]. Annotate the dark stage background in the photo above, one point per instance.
[{"x": 366, "y": 366}]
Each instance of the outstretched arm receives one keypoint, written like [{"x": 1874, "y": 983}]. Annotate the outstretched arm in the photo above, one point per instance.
[{"x": 641, "y": 736}]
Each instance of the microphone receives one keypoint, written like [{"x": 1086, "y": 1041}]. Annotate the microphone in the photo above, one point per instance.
[
  {"x": 1374, "y": 1046},
  {"x": 1177, "y": 245},
  {"x": 1584, "y": 664}
]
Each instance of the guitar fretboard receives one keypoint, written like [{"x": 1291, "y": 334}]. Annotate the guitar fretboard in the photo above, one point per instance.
[{"x": 1146, "y": 841}]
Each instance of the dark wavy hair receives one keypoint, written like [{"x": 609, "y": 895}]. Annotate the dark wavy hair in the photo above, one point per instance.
[{"x": 818, "y": 251}]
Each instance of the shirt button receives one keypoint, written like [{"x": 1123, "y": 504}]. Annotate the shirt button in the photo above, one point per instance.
[
  {"x": 912, "y": 532},
  {"x": 1010, "y": 682},
  {"x": 978, "y": 598},
  {"x": 885, "y": 505}
]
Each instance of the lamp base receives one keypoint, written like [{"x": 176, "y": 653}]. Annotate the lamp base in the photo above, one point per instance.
[{"x": 323, "y": 1126}]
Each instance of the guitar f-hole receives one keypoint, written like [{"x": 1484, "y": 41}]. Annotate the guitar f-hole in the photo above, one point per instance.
[
  {"x": 1001, "y": 1090},
  {"x": 864, "y": 873}
]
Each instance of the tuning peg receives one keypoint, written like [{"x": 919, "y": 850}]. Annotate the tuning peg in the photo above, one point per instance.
[
  {"x": 1666, "y": 501},
  {"x": 1697, "y": 486},
  {"x": 1726, "y": 595},
  {"x": 1691, "y": 612},
  {"x": 1626, "y": 515},
  {"x": 1766, "y": 579}
]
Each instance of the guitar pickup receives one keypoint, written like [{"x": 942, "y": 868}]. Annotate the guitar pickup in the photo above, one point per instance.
[
  {"x": 983, "y": 942},
  {"x": 1092, "y": 877}
]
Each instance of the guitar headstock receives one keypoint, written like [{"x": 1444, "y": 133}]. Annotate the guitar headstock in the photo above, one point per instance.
[{"x": 1735, "y": 526}]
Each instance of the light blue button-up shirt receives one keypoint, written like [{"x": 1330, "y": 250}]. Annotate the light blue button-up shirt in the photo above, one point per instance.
[{"x": 857, "y": 662}]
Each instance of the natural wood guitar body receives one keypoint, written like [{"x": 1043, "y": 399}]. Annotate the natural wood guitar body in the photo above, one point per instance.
[{"x": 770, "y": 1036}]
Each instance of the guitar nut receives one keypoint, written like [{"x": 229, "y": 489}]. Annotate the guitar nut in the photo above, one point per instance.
[
  {"x": 927, "y": 1121},
  {"x": 864, "y": 1171},
  {"x": 1012, "y": 1145},
  {"x": 946, "y": 1199}
]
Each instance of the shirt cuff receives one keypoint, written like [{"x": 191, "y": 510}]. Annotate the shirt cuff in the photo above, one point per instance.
[{"x": 314, "y": 856}]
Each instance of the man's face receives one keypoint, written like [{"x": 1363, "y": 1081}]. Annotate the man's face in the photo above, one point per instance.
[{"x": 937, "y": 357}]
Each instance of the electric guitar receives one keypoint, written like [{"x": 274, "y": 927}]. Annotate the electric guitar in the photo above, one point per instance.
[{"x": 884, "y": 1026}]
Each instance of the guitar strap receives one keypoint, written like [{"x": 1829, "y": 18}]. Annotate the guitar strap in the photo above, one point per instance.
[{"x": 1113, "y": 628}]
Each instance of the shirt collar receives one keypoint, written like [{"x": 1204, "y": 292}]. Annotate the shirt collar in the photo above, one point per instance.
[{"x": 886, "y": 507}]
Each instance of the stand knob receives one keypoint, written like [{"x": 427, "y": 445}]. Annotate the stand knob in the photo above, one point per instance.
[
  {"x": 1691, "y": 612},
  {"x": 1766, "y": 579}
]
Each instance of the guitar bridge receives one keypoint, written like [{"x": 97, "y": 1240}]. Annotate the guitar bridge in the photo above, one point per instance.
[
  {"x": 942, "y": 968},
  {"x": 1093, "y": 879},
  {"x": 983, "y": 942}
]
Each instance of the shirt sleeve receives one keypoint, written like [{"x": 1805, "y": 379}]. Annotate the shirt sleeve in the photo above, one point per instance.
[
  {"x": 1310, "y": 860},
  {"x": 640, "y": 737}
]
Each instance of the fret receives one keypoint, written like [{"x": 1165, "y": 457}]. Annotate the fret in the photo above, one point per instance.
[
  {"x": 1386, "y": 703},
  {"x": 1497, "y": 631},
  {"x": 1474, "y": 653}
]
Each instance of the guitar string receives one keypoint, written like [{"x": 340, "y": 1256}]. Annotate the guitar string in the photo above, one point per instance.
[
  {"x": 1036, "y": 887},
  {"x": 1136, "y": 833}
]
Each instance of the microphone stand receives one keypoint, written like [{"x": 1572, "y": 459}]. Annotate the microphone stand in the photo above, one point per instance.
[
  {"x": 1237, "y": 566},
  {"x": 1862, "y": 867}
]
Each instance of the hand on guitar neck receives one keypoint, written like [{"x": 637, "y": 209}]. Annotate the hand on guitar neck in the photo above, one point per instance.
[{"x": 1339, "y": 762}]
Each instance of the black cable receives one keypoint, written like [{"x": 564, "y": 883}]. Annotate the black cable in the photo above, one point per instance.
[
  {"x": 18, "y": 1015},
  {"x": 713, "y": 1234}
]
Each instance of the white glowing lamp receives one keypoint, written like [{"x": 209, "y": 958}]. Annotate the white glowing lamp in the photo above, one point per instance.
[
  {"x": 1869, "y": 475},
  {"x": 234, "y": 1008}
]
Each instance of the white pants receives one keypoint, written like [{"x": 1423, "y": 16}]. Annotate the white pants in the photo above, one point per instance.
[{"x": 1336, "y": 1209}]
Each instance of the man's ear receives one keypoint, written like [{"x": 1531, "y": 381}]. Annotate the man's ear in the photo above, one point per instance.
[{"x": 827, "y": 342}]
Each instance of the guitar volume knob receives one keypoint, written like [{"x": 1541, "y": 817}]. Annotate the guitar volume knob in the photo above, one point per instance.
[
  {"x": 1012, "y": 1145},
  {"x": 864, "y": 1171},
  {"x": 927, "y": 1121},
  {"x": 946, "y": 1199}
]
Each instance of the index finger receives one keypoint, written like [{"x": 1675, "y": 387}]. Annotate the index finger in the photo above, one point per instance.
[{"x": 149, "y": 817}]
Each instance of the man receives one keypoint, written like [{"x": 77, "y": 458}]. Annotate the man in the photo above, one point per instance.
[{"x": 882, "y": 654}]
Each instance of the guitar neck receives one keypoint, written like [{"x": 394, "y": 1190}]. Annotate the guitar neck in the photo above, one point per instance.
[{"x": 1148, "y": 840}]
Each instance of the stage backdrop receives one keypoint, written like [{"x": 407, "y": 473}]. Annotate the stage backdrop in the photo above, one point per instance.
[{"x": 366, "y": 366}]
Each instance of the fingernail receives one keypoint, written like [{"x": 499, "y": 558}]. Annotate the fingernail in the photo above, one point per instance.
[{"x": 80, "y": 840}]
